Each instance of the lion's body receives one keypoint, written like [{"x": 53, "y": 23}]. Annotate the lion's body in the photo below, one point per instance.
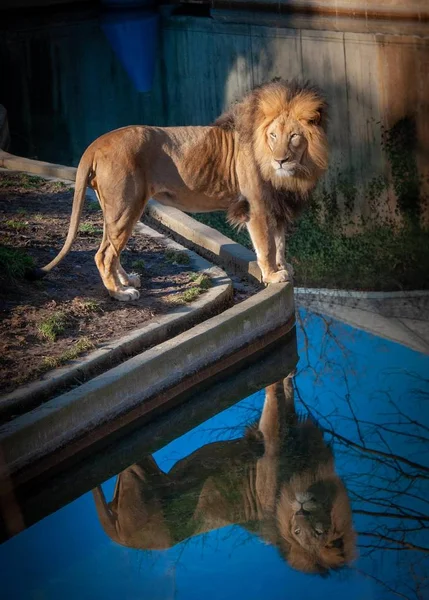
[
  {"x": 258, "y": 162},
  {"x": 253, "y": 481}
]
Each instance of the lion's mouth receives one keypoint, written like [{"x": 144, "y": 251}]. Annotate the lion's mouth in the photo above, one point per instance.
[{"x": 286, "y": 171}]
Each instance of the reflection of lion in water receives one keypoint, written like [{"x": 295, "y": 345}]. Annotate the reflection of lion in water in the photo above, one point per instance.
[
  {"x": 278, "y": 482},
  {"x": 258, "y": 162}
]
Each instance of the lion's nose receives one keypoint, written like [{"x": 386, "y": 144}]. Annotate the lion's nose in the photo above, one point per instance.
[{"x": 281, "y": 161}]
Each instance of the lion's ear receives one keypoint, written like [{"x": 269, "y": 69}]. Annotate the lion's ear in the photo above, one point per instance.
[
  {"x": 316, "y": 119},
  {"x": 319, "y": 116}
]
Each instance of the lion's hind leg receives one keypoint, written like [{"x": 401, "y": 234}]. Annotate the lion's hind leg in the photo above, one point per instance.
[{"x": 119, "y": 222}]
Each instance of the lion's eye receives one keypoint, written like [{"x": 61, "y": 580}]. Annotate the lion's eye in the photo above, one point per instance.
[
  {"x": 273, "y": 136},
  {"x": 297, "y": 531},
  {"x": 319, "y": 532},
  {"x": 295, "y": 139}
]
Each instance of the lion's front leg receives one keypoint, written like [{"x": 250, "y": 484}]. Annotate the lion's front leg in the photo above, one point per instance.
[
  {"x": 262, "y": 234},
  {"x": 280, "y": 241}
]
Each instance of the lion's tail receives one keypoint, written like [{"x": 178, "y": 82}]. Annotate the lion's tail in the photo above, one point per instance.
[{"x": 82, "y": 176}]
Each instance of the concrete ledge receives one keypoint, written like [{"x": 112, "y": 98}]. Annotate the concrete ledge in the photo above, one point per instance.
[
  {"x": 111, "y": 353},
  {"x": 37, "y": 167},
  {"x": 136, "y": 381},
  {"x": 233, "y": 256}
]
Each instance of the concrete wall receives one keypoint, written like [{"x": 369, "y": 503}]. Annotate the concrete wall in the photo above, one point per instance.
[{"x": 64, "y": 86}]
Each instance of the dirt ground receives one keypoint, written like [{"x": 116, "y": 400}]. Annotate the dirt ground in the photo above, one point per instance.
[{"x": 48, "y": 322}]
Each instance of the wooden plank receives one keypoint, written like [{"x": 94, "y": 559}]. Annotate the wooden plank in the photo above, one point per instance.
[
  {"x": 198, "y": 90},
  {"x": 276, "y": 53},
  {"x": 323, "y": 62},
  {"x": 367, "y": 164}
]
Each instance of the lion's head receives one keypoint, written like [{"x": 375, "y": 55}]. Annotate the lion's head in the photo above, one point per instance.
[
  {"x": 284, "y": 126},
  {"x": 315, "y": 524}
]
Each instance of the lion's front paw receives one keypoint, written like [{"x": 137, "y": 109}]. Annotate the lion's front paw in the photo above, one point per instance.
[
  {"x": 126, "y": 294},
  {"x": 284, "y": 266},
  {"x": 278, "y": 277}
]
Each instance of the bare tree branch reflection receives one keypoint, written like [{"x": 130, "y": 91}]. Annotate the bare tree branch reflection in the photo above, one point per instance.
[{"x": 385, "y": 459}]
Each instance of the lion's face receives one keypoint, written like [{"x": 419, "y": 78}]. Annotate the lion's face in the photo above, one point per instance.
[
  {"x": 286, "y": 140},
  {"x": 316, "y": 526},
  {"x": 286, "y": 126},
  {"x": 311, "y": 523}
]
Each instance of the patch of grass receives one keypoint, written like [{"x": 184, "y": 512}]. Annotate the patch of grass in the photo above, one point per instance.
[
  {"x": 22, "y": 180},
  {"x": 91, "y": 305},
  {"x": 89, "y": 229},
  {"x": 53, "y": 326},
  {"x": 139, "y": 265},
  {"x": 85, "y": 307},
  {"x": 191, "y": 294},
  {"x": 16, "y": 225},
  {"x": 202, "y": 283},
  {"x": 177, "y": 257},
  {"x": 202, "y": 280},
  {"x": 38, "y": 217},
  {"x": 21, "y": 212},
  {"x": 59, "y": 186},
  {"x": 92, "y": 205},
  {"x": 14, "y": 263},
  {"x": 80, "y": 347}
]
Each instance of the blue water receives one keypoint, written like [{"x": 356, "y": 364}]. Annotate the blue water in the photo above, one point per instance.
[{"x": 370, "y": 395}]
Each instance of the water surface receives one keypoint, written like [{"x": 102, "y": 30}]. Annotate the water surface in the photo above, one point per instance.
[{"x": 202, "y": 517}]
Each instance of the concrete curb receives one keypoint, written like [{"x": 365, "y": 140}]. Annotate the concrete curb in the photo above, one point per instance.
[
  {"x": 36, "y": 167},
  {"x": 233, "y": 256},
  {"x": 328, "y": 294},
  {"x": 119, "y": 390},
  {"x": 111, "y": 353}
]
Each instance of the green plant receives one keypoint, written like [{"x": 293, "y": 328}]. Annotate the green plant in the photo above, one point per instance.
[
  {"x": 16, "y": 225},
  {"x": 85, "y": 307},
  {"x": 53, "y": 326},
  {"x": 14, "y": 264},
  {"x": 60, "y": 186},
  {"x": 177, "y": 257},
  {"x": 22, "y": 180},
  {"x": 81, "y": 346},
  {"x": 93, "y": 206},
  {"x": 139, "y": 264},
  {"x": 202, "y": 280},
  {"x": 89, "y": 229},
  {"x": 400, "y": 143},
  {"x": 191, "y": 294}
]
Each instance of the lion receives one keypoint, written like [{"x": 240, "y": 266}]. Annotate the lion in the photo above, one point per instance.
[
  {"x": 278, "y": 482},
  {"x": 258, "y": 162}
]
